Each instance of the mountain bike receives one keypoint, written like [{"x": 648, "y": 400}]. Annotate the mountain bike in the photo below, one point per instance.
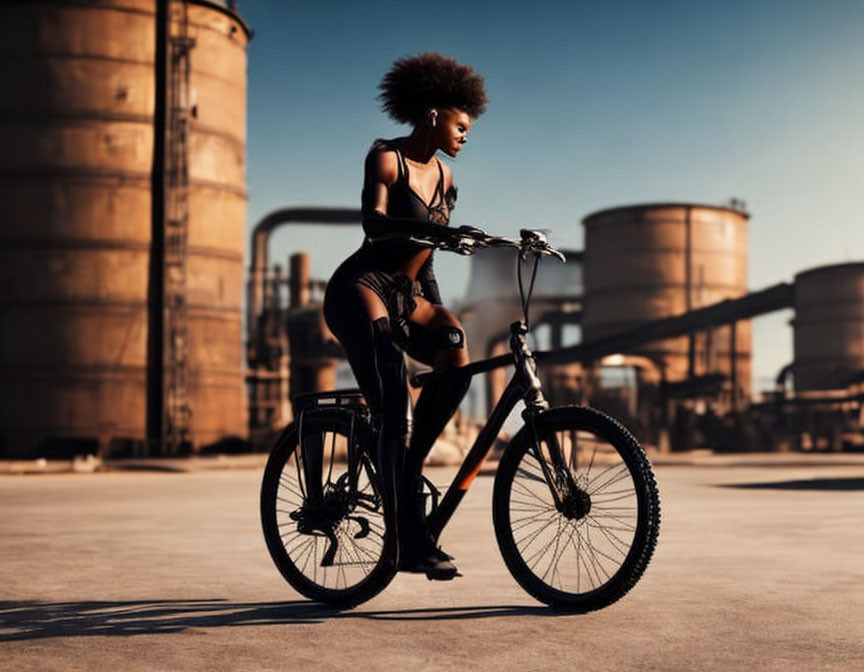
[{"x": 575, "y": 505}]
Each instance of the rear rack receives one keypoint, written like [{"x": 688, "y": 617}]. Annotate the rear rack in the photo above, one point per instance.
[{"x": 349, "y": 399}]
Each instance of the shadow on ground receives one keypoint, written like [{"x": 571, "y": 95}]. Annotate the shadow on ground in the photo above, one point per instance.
[
  {"x": 810, "y": 484},
  {"x": 43, "y": 620}
]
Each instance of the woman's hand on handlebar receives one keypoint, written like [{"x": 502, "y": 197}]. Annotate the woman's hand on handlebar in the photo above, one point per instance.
[
  {"x": 465, "y": 240},
  {"x": 468, "y": 239}
]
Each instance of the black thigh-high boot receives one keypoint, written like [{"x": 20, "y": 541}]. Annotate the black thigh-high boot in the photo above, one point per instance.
[
  {"x": 394, "y": 424},
  {"x": 438, "y": 402}
]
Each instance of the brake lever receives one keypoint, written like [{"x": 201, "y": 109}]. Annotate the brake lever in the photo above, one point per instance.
[{"x": 540, "y": 247}]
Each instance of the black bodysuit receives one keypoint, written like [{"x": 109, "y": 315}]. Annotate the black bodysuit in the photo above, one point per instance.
[
  {"x": 376, "y": 265},
  {"x": 374, "y": 347}
]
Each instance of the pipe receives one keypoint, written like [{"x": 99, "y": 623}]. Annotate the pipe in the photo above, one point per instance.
[{"x": 260, "y": 248}]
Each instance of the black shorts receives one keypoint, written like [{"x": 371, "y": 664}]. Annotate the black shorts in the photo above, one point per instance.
[{"x": 346, "y": 315}]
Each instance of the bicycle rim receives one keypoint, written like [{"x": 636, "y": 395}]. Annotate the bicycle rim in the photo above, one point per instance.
[
  {"x": 589, "y": 548},
  {"x": 326, "y": 538}
]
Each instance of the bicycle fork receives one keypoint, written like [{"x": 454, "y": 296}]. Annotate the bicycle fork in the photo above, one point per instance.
[
  {"x": 535, "y": 404},
  {"x": 525, "y": 385}
]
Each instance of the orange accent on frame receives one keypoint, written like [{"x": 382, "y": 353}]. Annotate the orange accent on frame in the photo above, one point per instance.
[{"x": 466, "y": 482}]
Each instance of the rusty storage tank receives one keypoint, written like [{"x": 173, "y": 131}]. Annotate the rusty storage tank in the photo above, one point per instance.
[
  {"x": 645, "y": 262},
  {"x": 828, "y": 326},
  {"x": 77, "y": 99}
]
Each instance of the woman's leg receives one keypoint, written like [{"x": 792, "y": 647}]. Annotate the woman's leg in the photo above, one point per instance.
[
  {"x": 437, "y": 338},
  {"x": 359, "y": 319}
]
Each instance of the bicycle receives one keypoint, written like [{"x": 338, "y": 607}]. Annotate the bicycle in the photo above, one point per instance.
[{"x": 575, "y": 505}]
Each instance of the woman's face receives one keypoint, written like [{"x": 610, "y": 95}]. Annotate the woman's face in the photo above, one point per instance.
[{"x": 451, "y": 130}]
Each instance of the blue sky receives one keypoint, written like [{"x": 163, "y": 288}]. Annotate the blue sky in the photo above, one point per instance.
[{"x": 592, "y": 105}]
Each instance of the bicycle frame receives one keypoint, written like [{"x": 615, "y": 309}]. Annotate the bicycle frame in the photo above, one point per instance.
[{"x": 524, "y": 385}]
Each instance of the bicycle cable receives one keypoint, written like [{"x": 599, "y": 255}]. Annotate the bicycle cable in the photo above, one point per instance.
[{"x": 526, "y": 300}]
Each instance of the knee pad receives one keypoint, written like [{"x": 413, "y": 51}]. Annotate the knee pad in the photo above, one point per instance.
[
  {"x": 451, "y": 338},
  {"x": 425, "y": 343}
]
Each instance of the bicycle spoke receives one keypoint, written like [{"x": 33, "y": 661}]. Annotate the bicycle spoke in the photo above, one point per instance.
[
  {"x": 567, "y": 542},
  {"x": 524, "y": 521},
  {"x": 594, "y": 578},
  {"x": 596, "y": 550},
  {"x": 290, "y": 487},
  {"x": 524, "y": 490},
  {"x": 591, "y": 462},
  {"x": 604, "y": 500},
  {"x": 531, "y": 477},
  {"x": 592, "y": 562},
  {"x": 533, "y": 536},
  {"x": 615, "y": 542},
  {"x": 553, "y": 563},
  {"x": 594, "y": 523},
  {"x": 576, "y": 553},
  {"x": 340, "y": 569},
  {"x": 620, "y": 472},
  {"x": 542, "y": 550}
]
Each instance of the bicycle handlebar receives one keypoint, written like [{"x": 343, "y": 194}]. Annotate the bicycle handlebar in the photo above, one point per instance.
[{"x": 466, "y": 240}]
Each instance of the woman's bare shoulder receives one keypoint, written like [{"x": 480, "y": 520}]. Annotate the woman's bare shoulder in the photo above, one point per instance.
[{"x": 382, "y": 162}]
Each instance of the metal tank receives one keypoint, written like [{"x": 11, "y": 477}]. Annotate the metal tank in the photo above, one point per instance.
[
  {"x": 646, "y": 262},
  {"x": 829, "y": 326},
  {"x": 77, "y": 100}
]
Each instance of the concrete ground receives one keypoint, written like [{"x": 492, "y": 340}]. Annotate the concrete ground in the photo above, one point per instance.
[{"x": 759, "y": 567}]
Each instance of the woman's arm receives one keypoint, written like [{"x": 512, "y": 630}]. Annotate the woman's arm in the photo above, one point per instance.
[{"x": 381, "y": 171}]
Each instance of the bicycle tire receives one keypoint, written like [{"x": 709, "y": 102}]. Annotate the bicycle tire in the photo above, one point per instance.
[
  {"x": 283, "y": 498},
  {"x": 516, "y": 474}
]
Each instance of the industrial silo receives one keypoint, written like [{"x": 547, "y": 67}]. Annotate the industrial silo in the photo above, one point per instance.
[
  {"x": 646, "y": 262},
  {"x": 829, "y": 326},
  {"x": 78, "y": 98}
]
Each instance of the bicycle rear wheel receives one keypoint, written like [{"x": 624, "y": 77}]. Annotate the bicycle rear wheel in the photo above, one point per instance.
[
  {"x": 588, "y": 547},
  {"x": 322, "y": 514}
]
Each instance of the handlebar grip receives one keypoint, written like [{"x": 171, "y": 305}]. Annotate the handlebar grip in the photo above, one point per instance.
[{"x": 465, "y": 229}]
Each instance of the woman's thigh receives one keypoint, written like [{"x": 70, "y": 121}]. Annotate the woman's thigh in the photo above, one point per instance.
[
  {"x": 350, "y": 310},
  {"x": 437, "y": 336}
]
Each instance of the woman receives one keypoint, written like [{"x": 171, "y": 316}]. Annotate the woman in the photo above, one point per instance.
[{"x": 383, "y": 300}]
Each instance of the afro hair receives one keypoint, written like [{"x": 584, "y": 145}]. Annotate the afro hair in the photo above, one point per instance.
[{"x": 417, "y": 83}]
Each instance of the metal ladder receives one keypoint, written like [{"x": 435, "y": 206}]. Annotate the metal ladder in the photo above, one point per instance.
[{"x": 176, "y": 426}]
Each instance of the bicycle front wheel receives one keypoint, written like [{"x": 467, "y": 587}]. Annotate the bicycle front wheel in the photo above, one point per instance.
[
  {"x": 321, "y": 511},
  {"x": 576, "y": 509}
]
